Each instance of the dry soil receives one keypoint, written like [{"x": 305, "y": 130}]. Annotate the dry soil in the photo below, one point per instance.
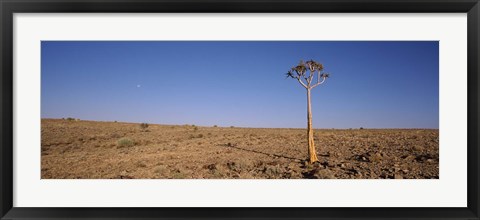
[{"x": 105, "y": 150}]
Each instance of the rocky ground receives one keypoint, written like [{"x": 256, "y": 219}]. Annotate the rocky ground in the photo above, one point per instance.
[{"x": 104, "y": 150}]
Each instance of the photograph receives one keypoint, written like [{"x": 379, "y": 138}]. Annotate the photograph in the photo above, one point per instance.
[
  {"x": 239, "y": 110},
  {"x": 162, "y": 109}
]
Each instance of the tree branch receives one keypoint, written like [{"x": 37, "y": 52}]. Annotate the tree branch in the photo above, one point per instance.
[
  {"x": 303, "y": 84},
  {"x": 323, "y": 80},
  {"x": 310, "y": 77}
]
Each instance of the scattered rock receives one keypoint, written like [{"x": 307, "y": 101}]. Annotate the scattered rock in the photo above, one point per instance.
[
  {"x": 409, "y": 158},
  {"x": 231, "y": 165},
  {"x": 266, "y": 153},
  {"x": 210, "y": 167}
]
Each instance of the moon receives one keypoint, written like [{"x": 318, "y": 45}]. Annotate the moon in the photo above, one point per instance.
[{"x": 138, "y": 86}]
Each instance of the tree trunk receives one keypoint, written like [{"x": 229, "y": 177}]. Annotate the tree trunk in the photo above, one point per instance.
[{"x": 312, "y": 154}]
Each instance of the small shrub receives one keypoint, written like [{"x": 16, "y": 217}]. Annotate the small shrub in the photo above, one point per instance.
[
  {"x": 161, "y": 169},
  {"x": 272, "y": 171},
  {"x": 232, "y": 126},
  {"x": 195, "y": 136},
  {"x": 143, "y": 126},
  {"x": 215, "y": 126},
  {"x": 141, "y": 164},
  {"x": 125, "y": 142},
  {"x": 70, "y": 119},
  {"x": 217, "y": 174},
  {"x": 417, "y": 148},
  {"x": 179, "y": 175},
  {"x": 324, "y": 174},
  {"x": 361, "y": 128}
]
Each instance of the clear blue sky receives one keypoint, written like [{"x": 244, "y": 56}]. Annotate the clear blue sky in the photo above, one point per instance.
[{"x": 235, "y": 83}]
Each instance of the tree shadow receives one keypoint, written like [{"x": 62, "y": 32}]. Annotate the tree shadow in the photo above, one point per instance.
[{"x": 230, "y": 145}]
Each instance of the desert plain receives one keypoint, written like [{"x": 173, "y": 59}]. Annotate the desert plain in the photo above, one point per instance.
[{"x": 79, "y": 149}]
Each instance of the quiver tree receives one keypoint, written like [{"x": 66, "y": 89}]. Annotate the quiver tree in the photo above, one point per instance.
[{"x": 305, "y": 73}]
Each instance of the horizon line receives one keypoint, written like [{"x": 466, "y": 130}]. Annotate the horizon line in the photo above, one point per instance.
[{"x": 229, "y": 126}]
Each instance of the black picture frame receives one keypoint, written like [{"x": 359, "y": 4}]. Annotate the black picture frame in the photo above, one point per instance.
[{"x": 9, "y": 7}]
